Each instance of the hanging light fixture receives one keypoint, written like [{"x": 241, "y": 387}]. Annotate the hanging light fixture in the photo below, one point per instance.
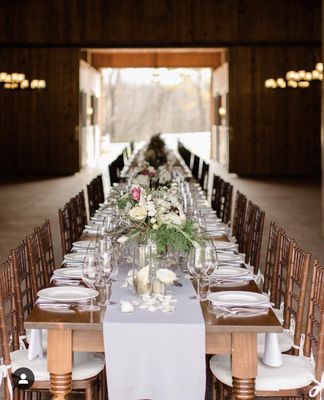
[
  {"x": 296, "y": 79},
  {"x": 17, "y": 80}
]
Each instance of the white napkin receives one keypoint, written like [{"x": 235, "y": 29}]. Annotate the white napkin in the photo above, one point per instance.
[{"x": 35, "y": 348}]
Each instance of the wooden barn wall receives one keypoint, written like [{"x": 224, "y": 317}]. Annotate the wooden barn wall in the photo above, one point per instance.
[
  {"x": 38, "y": 127},
  {"x": 105, "y": 23},
  {"x": 273, "y": 132}
]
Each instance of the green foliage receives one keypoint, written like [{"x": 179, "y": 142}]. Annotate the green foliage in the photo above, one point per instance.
[{"x": 180, "y": 238}]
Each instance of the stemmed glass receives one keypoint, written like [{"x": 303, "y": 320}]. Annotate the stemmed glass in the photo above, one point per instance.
[
  {"x": 212, "y": 260},
  {"x": 198, "y": 265},
  {"x": 90, "y": 274},
  {"x": 108, "y": 271}
]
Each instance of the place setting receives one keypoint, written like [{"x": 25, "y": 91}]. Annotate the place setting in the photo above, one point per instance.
[{"x": 238, "y": 304}]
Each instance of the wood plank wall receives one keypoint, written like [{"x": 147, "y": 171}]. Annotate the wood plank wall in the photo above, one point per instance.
[
  {"x": 37, "y": 128},
  {"x": 158, "y": 23},
  {"x": 273, "y": 132}
]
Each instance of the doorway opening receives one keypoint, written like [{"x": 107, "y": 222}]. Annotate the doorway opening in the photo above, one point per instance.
[{"x": 136, "y": 93}]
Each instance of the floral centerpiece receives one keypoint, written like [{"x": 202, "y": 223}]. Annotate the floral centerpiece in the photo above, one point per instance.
[
  {"x": 155, "y": 153},
  {"x": 157, "y": 215}
]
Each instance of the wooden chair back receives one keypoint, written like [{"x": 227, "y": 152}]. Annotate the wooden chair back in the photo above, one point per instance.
[
  {"x": 114, "y": 173},
  {"x": 287, "y": 247},
  {"x": 272, "y": 259},
  {"x": 239, "y": 218},
  {"x": 95, "y": 194},
  {"x": 66, "y": 229},
  {"x": 247, "y": 231},
  {"x": 44, "y": 236},
  {"x": 195, "y": 167},
  {"x": 40, "y": 278},
  {"x": 9, "y": 327},
  {"x": 255, "y": 239},
  {"x": 203, "y": 180},
  {"x": 314, "y": 335},
  {"x": 296, "y": 291},
  {"x": 215, "y": 192},
  {"x": 22, "y": 283},
  {"x": 227, "y": 202},
  {"x": 81, "y": 218}
]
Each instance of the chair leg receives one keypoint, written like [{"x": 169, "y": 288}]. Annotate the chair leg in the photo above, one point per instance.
[
  {"x": 214, "y": 382},
  {"x": 88, "y": 393}
]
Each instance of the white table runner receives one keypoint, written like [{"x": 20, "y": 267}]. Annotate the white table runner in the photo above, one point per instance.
[{"x": 155, "y": 355}]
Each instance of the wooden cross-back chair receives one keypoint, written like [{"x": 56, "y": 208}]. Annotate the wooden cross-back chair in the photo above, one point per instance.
[
  {"x": 247, "y": 230},
  {"x": 295, "y": 295},
  {"x": 295, "y": 377},
  {"x": 22, "y": 281},
  {"x": 215, "y": 192},
  {"x": 203, "y": 180},
  {"x": 39, "y": 273},
  {"x": 186, "y": 155},
  {"x": 87, "y": 367},
  {"x": 253, "y": 248},
  {"x": 227, "y": 202},
  {"x": 79, "y": 220},
  {"x": 272, "y": 260},
  {"x": 281, "y": 275},
  {"x": 66, "y": 229},
  {"x": 100, "y": 194},
  {"x": 239, "y": 217},
  {"x": 44, "y": 236},
  {"x": 296, "y": 265},
  {"x": 195, "y": 167},
  {"x": 95, "y": 194}
]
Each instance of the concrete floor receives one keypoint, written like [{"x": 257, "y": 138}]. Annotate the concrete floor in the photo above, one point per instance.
[{"x": 293, "y": 204}]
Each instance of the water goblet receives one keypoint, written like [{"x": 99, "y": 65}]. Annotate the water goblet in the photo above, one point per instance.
[
  {"x": 90, "y": 274},
  {"x": 198, "y": 265}
]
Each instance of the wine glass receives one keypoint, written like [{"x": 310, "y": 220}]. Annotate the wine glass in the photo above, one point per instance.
[
  {"x": 90, "y": 274},
  {"x": 198, "y": 265},
  {"x": 212, "y": 260},
  {"x": 108, "y": 271}
]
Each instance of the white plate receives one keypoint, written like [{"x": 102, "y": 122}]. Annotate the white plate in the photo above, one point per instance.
[
  {"x": 67, "y": 293},
  {"x": 238, "y": 298},
  {"x": 75, "y": 257},
  {"x": 229, "y": 272},
  {"x": 74, "y": 273},
  {"x": 84, "y": 244}
]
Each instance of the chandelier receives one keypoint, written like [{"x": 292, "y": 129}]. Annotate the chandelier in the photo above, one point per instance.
[
  {"x": 296, "y": 79},
  {"x": 17, "y": 80}
]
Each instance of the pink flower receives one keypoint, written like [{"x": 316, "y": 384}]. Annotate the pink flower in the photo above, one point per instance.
[{"x": 136, "y": 193}]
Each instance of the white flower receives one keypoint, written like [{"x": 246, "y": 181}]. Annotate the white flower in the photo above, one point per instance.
[
  {"x": 155, "y": 226},
  {"x": 142, "y": 180},
  {"x": 143, "y": 275},
  {"x": 122, "y": 239},
  {"x": 151, "y": 211},
  {"x": 173, "y": 218},
  {"x": 126, "y": 306},
  {"x": 138, "y": 213},
  {"x": 165, "y": 276},
  {"x": 153, "y": 220}
]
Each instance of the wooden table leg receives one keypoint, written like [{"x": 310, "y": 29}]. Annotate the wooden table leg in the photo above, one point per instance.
[
  {"x": 59, "y": 362},
  {"x": 244, "y": 365}
]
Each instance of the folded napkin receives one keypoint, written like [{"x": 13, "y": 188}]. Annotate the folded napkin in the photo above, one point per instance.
[
  {"x": 67, "y": 282},
  {"x": 52, "y": 305},
  {"x": 241, "y": 311},
  {"x": 229, "y": 279}
]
